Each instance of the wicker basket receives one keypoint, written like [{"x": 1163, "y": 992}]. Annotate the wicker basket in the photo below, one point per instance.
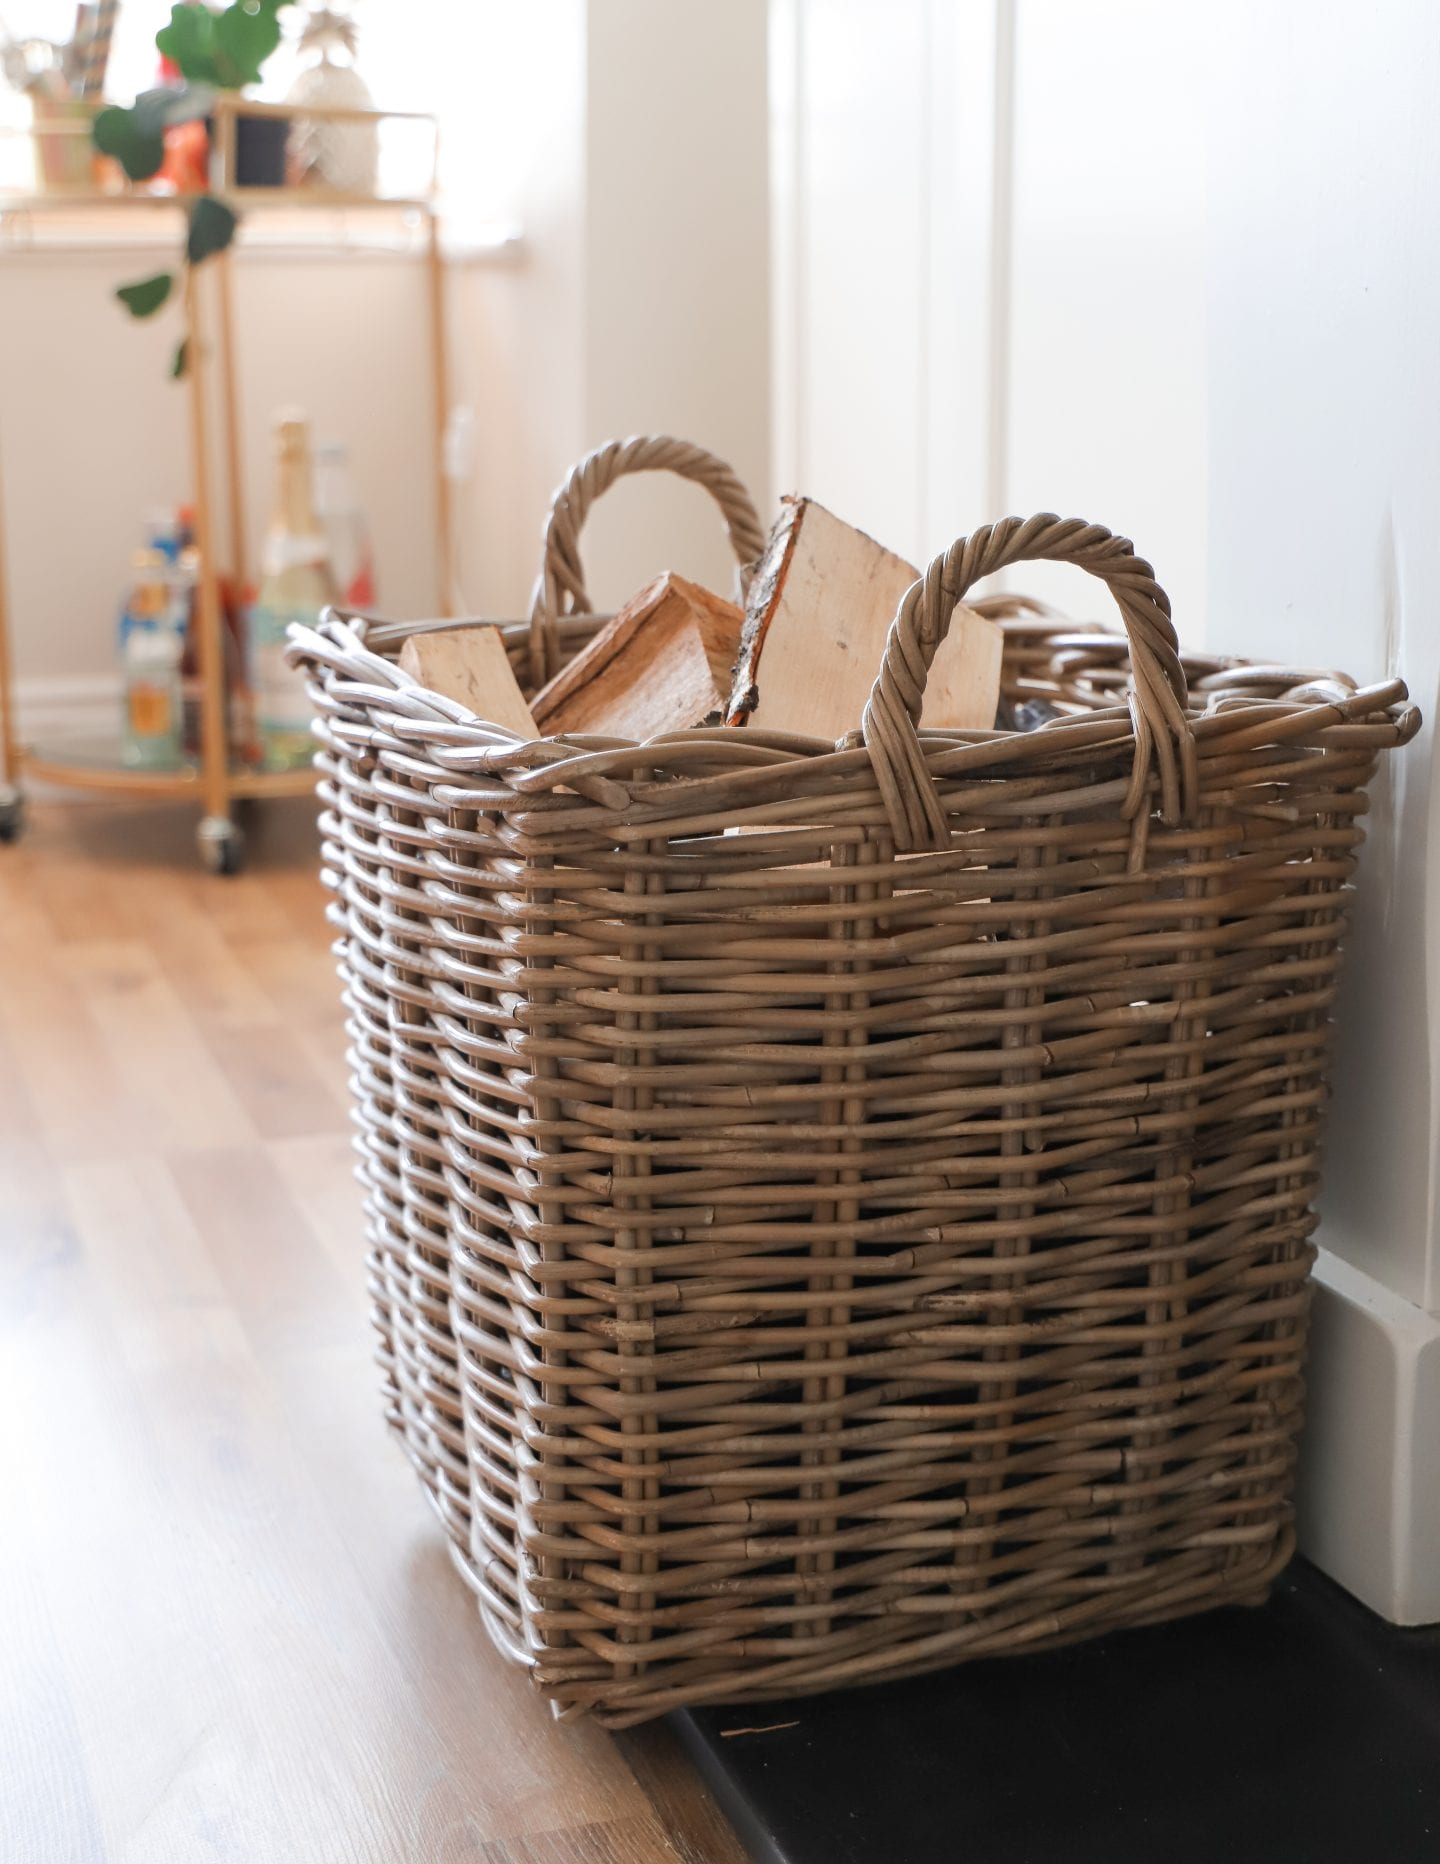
[{"x": 837, "y": 1210}]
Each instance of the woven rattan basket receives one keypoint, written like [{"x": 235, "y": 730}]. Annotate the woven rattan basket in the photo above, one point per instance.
[{"x": 837, "y": 1210}]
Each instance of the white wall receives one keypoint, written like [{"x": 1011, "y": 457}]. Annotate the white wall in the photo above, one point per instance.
[
  {"x": 1105, "y": 376},
  {"x": 519, "y": 151},
  {"x": 641, "y": 302},
  {"x": 92, "y": 435},
  {"x": 1324, "y": 380},
  {"x": 677, "y": 326},
  {"x": 95, "y": 434},
  {"x": 965, "y": 323},
  {"x": 1174, "y": 269},
  {"x": 883, "y": 132}
]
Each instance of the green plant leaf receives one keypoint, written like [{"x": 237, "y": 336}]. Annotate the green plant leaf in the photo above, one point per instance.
[
  {"x": 146, "y": 295},
  {"x": 244, "y": 40},
  {"x": 189, "y": 40},
  {"x": 212, "y": 227},
  {"x": 226, "y": 49},
  {"x": 181, "y": 360},
  {"x": 134, "y": 137}
]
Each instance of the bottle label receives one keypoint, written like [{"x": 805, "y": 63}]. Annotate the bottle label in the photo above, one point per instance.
[
  {"x": 282, "y": 707},
  {"x": 149, "y": 710}
]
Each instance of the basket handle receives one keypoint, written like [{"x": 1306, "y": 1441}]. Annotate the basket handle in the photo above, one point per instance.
[
  {"x": 560, "y": 586},
  {"x": 1157, "y": 699}
]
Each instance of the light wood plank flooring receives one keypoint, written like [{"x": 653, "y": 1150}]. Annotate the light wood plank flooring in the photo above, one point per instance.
[{"x": 228, "y": 1626}]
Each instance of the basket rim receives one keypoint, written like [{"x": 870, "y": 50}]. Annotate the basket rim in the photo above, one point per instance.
[{"x": 1309, "y": 706}]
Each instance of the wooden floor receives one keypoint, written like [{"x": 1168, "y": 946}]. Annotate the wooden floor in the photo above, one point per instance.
[{"x": 228, "y": 1626}]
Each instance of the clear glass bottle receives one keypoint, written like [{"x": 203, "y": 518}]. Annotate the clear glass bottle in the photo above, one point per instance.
[
  {"x": 151, "y": 644},
  {"x": 295, "y": 585},
  {"x": 352, "y": 562}
]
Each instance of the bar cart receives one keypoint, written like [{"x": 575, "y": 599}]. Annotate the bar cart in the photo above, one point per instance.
[{"x": 221, "y": 785}]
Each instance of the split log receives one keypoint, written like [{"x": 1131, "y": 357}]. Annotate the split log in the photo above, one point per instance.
[
  {"x": 663, "y": 663},
  {"x": 470, "y": 665},
  {"x": 819, "y": 609}
]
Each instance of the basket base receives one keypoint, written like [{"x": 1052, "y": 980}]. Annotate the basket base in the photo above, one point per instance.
[{"x": 1306, "y": 1729}]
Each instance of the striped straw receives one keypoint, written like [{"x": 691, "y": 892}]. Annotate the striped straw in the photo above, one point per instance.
[{"x": 97, "y": 48}]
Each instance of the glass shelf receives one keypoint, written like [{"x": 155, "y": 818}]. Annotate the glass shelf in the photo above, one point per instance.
[{"x": 96, "y": 760}]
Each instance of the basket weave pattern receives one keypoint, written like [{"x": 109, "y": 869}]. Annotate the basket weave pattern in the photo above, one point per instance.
[{"x": 839, "y": 1210}]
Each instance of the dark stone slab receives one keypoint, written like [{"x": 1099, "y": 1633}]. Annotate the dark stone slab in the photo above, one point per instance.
[{"x": 1307, "y": 1732}]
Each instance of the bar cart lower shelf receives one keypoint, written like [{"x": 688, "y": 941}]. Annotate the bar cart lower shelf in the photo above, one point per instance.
[{"x": 95, "y": 762}]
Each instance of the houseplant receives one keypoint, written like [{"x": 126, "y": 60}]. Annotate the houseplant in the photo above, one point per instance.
[{"x": 212, "y": 52}]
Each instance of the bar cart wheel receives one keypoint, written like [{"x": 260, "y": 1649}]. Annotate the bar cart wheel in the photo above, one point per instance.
[
  {"x": 12, "y": 813},
  {"x": 222, "y": 845}
]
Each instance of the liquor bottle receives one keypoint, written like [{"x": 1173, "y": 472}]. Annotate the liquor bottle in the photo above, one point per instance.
[
  {"x": 352, "y": 563},
  {"x": 295, "y": 585},
  {"x": 192, "y": 696},
  {"x": 239, "y": 718}
]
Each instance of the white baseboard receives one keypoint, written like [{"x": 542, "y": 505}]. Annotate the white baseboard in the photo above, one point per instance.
[
  {"x": 65, "y": 705},
  {"x": 56, "y": 709},
  {"x": 1368, "y": 1495}
]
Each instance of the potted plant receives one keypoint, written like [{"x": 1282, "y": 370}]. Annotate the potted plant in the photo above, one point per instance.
[{"x": 211, "y": 52}]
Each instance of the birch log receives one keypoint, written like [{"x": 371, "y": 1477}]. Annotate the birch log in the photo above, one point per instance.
[
  {"x": 819, "y": 609},
  {"x": 470, "y": 665},
  {"x": 663, "y": 663}
]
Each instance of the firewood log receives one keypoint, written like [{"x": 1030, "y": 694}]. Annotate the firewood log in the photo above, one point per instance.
[
  {"x": 663, "y": 663},
  {"x": 470, "y": 665},
  {"x": 819, "y": 609}
]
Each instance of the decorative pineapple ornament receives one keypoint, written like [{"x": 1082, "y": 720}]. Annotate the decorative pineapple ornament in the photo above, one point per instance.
[{"x": 343, "y": 156}]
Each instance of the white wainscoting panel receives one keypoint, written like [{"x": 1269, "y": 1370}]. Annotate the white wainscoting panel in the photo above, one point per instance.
[
  {"x": 882, "y": 118},
  {"x": 1174, "y": 269},
  {"x": 1106, "y": 394}
]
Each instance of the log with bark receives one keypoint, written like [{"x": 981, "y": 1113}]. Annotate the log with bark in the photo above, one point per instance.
[{"x": 820, "y": 607}]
